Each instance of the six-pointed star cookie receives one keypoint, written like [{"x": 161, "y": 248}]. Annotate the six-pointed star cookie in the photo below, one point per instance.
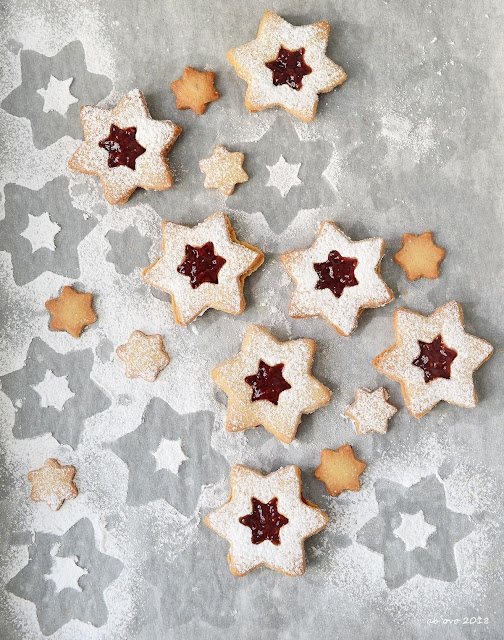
[
  {"x": 144, "y": 356},
  {"x": 125, "y": 147},
  {"x": 266, "y": 521},
  {"x": 223, "y": 170},
  {"x": 371, "y": 411},
  {"x": 420, "y": 256},
  {"x": 203, "y": 267},
  {"x": 286, "y": 66},
  {"x": 195, "y": 90},
  {"x": 337, "y": 278},
  {"x": 433, "y": 358},
  {"x": 53, "y": 484},
  {"x": 340, "y": 470},
  {"x": 71, "y": 311},
  {"x": 269, "y": 383}
]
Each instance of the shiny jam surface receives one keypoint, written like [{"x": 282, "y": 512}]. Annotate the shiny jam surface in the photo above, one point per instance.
[
  {"x": 268, "y": 383},
  {"x": 289, "y": 68},
  {"x": 435, "y": 359},
  {"x": 336, "y": 273},
  {"x": 122, "y": 147},
  {"x": 264, "y": 521},
  {"x": 201, "y": 264}
]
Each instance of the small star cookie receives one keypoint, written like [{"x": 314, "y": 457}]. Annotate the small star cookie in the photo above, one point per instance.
[
  {"x": 223, "y": 170},
  {"x": 144, "y": 356},
  {"x": 125, "y": 147},
  {"x": 371, "y": 411},
  {"x": 53, "y": 484},
  {"x": 286, "y": 66},
  {"x": 71, "y": 311},
  {"x": 266, "y": 521},
  {"x": 340, "y": 470},
  {"x": 203, "y": 267},
  {"x": 420, "y": 256},
  {"x": 433, "y": 358},
  {"x": 195, "y": 90},
  {"x": 337, "y": 278},
  {"x": 269, "y": 383}
]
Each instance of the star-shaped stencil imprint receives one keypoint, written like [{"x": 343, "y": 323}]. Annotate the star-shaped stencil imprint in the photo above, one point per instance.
[
  {"x": 371, "y": 411},
  {"x": 414, "y": 531},
  {"x": 144, "y": 356},
  {"x": 223, "y": 170},
  {"x": 53, "y": 484},
  {"x": 71, "y": 311},
  {"x": 41, "y": 231},
  {"x": 195, "y": 90},
  {"x": 197, "y": 278},
  {"x": 53, "y": 391},
  {"x": 283, "y": 176},
  {"x": 65, "y": 572},
  {"x": 419, "y": 369},
  {"x": 337, "y": 278},
  {"x": 420, "y": 256},
  {"x": 57, "y": 96},
  {"x": 276, "y": 401},
  {"x": 266, "y": 520},
  {"x": 125, "y": 147}
]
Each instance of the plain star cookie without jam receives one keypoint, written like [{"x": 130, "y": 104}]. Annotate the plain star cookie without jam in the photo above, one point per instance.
[
  {"x": 203, "y": 267},
  {"x": 144, "y": 355},
  {"x": 371, "y": 411},
  {"x": 269, "y": 383},
  {"x": 420, "y": 256},
  {"x": 53, "y": 484},
  {"x": 223, "y": 170},
  {"x": 71, "y": 311},
  {"x": 195, "y": 90},
  {"x": 337, "y": 278},
  {"x": 125, "y": 147},
  {"x": 340, "y": 470},
  {"x": 433, "y": 358},
  {"x": 286, "y": 66},
  {"x": 266, "y": 521}
]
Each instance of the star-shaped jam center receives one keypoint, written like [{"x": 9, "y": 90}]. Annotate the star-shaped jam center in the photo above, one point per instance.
[
  {"x": 336, "y": 273},
  {"x": 264, "y": 521},
  {"x": 435, "y": 359},
  {"x": 122, "y": 147},
  {"x": 201, "y": 264},
  {"x": 268, "y": 383},
  {"x": 289, "y": 68}
]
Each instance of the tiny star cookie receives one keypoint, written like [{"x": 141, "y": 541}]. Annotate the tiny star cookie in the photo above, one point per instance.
[
  {"x": 125, "y": 147},
  {"x": 71, "y": 311},
  {"x": 420, "y": 257},
  {"x": 203, "y": 267},
  {"x": 266, "y": 521},
  {"x": 371, "y": 411},
  {"x": 269, "y": 383},
  {"x": 337, "y": 278},
  {"x": 340, "y": 470},
  {"x": 433, "y": 358},
  {"x": 286, "y": 66},
  {"x": 144, "y": 356},
  {"x": 53, "y": 484},
  {"x": 223, "y": 170},
  {"x": 195, "y": 90}
]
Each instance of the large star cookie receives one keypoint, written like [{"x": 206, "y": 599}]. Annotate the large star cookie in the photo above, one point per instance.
[
  {"x": 269, "y": 383},
  {"x": 144, "y": 356},
  {"x": 266, "y": 520},
  {"x": 203, "y": 267},
  {"x": 71, "y": 311},
  {"x": 286, "y": 66},
  {"x": 125, "y": 147},
  {"x": 337, "y": 278},
  {"x": 433, "y": 358},
  {"x": 340, "y": 470},
  {"x": 371, "y": 411},
  {"x": 223, "y": 170},
  {"x": 420, "y": 256},
  {"x": 53, "y": 484},
  {"x": 195, "y": 90}
]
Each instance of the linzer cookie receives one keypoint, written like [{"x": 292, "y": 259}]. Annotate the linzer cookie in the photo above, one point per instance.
[
  {"x": 53, "y": 484},
  {"x": 340, "y": 470},
  {"x": 203, "y": 267},
  {"x": 195, "y": 90},
  {"x": 420, "y": 256},
  {"x": 144, "y": 356},
  {"x": 336, "y": 278},
  {"x": 223, "y": 170},
  {"x": 269, "y": 383},
  {"x": 433, "y": 358},
  {"x": 125, "y": 147},
  {"x": 71, "y": 311},
  {"x": 371, "y": 411},
  {"x": 286, "y": 66},
  {"x": 266, "y": 520}
]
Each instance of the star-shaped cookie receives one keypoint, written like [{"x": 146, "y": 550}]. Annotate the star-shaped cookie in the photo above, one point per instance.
[
  {"x": 269, "y": 383},
  {"x": 340, "y": 470},
  {"x": 371, "y": 411},
  {"x": 195, "y": 90},
  {"x": 420, "y": 256},
  {"x": 433, "y": 358},
  {"x": 223, "y": 170},
  {"x": 203, "y": 267},
  {"x": 144, "y": 356},
  {"x": 266, "y": 520},
  {"x": 53, "y": 484},
  {"x": 125, "y": 147},
  {"x": 286, "y": 66},
  {"x": 337, "y": 278},
  {"x": 71, "y": 311}
]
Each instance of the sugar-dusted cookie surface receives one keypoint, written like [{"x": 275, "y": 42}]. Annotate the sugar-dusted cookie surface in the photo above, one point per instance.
[
  {"x": 223, "y": 170},
  {"x": 195, "y": 90},
  {"x": 144, "y": 355},
  {"x": 420, "y": 256},
  {"x": 371, "y": 411},
  {"x": 53, "y": 484},
  {"x": 71, "y": 311},
  {"x": 340, "y": 470}
]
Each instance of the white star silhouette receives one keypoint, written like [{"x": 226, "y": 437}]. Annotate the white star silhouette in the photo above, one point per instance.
[
  {"x": 283, "y": 176},
  {"x": 414, "y": 531},
  {"x": 53, "y": 391},
  {"x": 169, "y": 455},
  {"x": 57, "y": 96},
  {"x": 65, "y": 572},
  {"x": 41, "y": 231}
]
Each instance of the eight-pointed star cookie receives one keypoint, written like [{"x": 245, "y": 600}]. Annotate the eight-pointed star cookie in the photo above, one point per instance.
[
  {"x": 433, "y": 358},
  {"x": 203, "y": 267},
  {"x": 337, "y": 278},
  {"x": 125, "y": 147},
  {"x": 53, "y": 484},
  {"x": 223, "y": 170},
  {"x": 286, "y": 66},
  {"x": 144, "y": 356},
  {"x": 266, "y": 520},
  {"x": 340, "y": 470},
  {"x": 269, "y": 383},
  {"x": 371, "y": 411},
  {"x": 420, "y": 256},
  {"x": 195, "y": 90},
  {"x": 71, "y": 311}
]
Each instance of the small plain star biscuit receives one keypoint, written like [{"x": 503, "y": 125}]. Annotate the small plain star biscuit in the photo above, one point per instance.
[
  {"x": 195, "y": 90},
  {"x": 144, "y": 355},
  {"x": 223, "y": 170},
  {"x": 53, "y": 484},
  {"x": 371, "y": 411},
  {"x": 420, "y": 256},
  {"x": 71, "y": 311},
  {"x": 340, "y": 470}
]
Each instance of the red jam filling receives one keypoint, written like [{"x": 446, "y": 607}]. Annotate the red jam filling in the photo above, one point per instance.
[
  {"x": 201, "y": 264},
  {"x": 264, "y": 521},
  {"x": 268, "y": 383},
  {"x": 435, "y": 359},
  {"x": 336, "y": 273},
  {"x": 289, "y": 68},
  {"x": 122, "y": 147}
]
